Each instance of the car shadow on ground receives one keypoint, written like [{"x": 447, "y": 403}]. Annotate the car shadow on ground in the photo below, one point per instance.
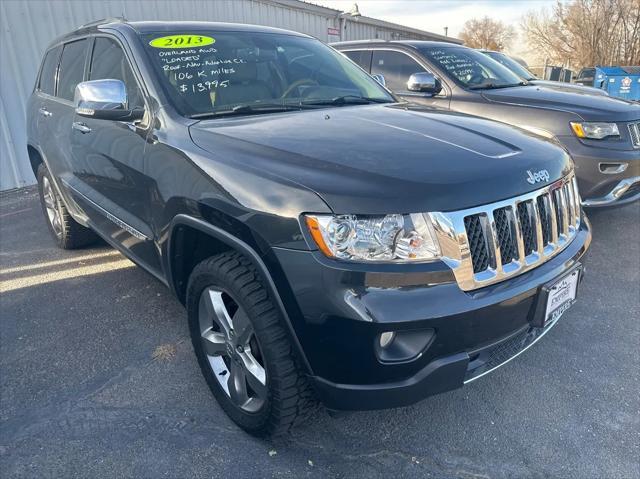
[{"x": 99, "y": 379}]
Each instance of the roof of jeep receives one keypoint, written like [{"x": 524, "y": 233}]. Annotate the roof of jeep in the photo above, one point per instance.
[
  {"x": 149, "y": 27},
  {"x": 124, "y": 26}
]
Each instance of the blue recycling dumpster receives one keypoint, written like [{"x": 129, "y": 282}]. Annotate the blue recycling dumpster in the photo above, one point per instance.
[{"x": 622, "y": 82}]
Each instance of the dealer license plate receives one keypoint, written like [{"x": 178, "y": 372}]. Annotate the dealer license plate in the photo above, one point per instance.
[{"x": 561, "y": 296}]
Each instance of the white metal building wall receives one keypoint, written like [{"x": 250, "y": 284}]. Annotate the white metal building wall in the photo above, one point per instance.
[{"x": 27, "y": 27}]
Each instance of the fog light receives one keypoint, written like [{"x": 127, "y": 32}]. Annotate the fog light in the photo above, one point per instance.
[
  {"x": 404, "y": 345},
  {"x": 387, "y": 338}
]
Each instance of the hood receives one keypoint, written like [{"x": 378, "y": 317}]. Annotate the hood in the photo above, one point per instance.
[
  {"x": 587, "y": 106},
  {"x": 569, "y": 87},
  {"x": 378, "y": 159}
]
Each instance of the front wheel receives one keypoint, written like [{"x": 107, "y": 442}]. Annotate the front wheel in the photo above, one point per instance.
[{"x": 242, "y": 348}]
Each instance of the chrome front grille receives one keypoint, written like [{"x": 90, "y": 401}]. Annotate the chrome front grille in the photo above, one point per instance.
[
  {"x": 527, "y": 228},
  {"x": 634, "y": 133},
  {"x": 506, "y": 234},
  {"x": 487, "y": 244},
  {"x": 544, "y": 205}
]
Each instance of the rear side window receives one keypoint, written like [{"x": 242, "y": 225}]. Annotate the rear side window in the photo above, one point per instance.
[
  {"x": 109, "y": 62},
  {"x": 71, "y": 69},
  {"x": 47, "y": 81},
  {"x": 396, "y": 67},
  {"x": 361, "y": 57}
]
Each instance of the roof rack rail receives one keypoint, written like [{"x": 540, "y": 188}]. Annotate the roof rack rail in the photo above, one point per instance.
[{"x": 121, "y": 19}]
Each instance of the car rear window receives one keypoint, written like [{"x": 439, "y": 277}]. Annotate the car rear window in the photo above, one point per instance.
[
  {"x": 47, "y": 81},
  {"x": 71, "y": 69}
]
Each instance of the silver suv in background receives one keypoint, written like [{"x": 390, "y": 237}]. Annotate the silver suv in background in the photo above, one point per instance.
[
  {"x": 524, "y": 73},
  {"x": 601, "y": 133}
]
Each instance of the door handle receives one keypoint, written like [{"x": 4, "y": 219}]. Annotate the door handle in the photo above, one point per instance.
[
  {"x": 81, "y": 127},
  {"x": 45, "y": 112}
]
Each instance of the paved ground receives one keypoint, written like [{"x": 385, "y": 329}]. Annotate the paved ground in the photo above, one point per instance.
[{"x": 83, "y": 396}]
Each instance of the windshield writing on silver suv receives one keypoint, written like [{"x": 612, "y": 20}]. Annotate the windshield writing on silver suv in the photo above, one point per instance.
[{"x": 472, "y": 69}]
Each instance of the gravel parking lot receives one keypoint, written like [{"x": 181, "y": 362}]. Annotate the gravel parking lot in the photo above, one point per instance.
[{"x": 98, "y": 379}]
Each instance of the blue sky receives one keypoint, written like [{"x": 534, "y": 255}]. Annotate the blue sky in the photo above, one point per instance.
[{"x": 434, "y": 15}]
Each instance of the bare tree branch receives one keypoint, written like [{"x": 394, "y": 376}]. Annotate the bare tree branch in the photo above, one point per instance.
[
  {"x": 587, "y": 32},
  {"x": 487, "y": 33}
]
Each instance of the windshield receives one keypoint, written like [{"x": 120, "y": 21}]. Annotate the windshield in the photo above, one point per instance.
[
  {"x": 511, "y": 64},
  {"x": 470, "y": 68},
  {"x": 242, "y": 72}
]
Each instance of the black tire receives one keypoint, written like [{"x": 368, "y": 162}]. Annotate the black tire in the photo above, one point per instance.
[
  {"x": 67, "y": 232},
  {"x": 289, "y": 397}
]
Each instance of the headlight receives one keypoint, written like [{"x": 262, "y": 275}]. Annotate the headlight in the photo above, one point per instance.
[
  {"x": 401, "y": 238},
  {"x": 595, "y": 131}
]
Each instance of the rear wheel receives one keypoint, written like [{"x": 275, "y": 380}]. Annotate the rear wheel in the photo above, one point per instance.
[
  {"x": 242, "y": 348},
  {"x": 68, "y": 233}
]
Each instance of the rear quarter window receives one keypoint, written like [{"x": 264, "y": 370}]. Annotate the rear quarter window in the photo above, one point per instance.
[{"x": 47, "y": 80}]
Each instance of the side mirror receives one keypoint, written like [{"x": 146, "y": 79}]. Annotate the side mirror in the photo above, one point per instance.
[
  {"x": 104, "y": 100},
  {"x": 424, "y": 82},
  {"x": 380, "y": 79}
]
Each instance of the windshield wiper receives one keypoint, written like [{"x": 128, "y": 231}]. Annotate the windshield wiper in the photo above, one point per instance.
[
  {"x": 345, "y": 100},
  {"x": 246, "y": 109},
  {"x": 258, "y": 108},
  {"x": 494, "y": 86}
]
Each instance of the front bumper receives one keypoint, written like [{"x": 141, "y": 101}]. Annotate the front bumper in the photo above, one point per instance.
[
  {"x": 606, "y": 177},
  {"x": 338, "y": 311}
]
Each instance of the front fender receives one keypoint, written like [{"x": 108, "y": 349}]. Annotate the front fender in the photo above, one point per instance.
[{"x": 250, "y": 253}]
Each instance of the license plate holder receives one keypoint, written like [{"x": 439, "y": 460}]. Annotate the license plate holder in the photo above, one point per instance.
[{"x": 556, "y": 297}]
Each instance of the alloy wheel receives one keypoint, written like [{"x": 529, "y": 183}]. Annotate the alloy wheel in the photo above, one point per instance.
[
  {"x": 229, "y": 342},
  {"x": 55, "y": 219}
]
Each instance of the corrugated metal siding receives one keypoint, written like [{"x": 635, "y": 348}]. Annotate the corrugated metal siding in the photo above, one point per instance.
[{"x": 29, "y": 25}]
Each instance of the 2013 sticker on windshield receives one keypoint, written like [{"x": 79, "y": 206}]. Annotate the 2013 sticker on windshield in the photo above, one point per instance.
[{"x": 181, "y": 41}]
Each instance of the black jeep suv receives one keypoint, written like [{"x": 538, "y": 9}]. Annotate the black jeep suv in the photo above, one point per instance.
[{"x": 329, "y": 242}]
